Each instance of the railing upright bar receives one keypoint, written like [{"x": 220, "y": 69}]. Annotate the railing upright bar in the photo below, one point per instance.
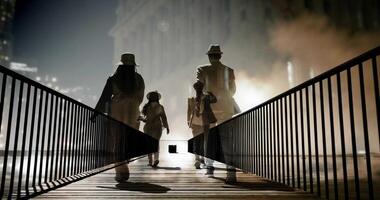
[
  {"x": 37, "y": 138},
  {"x": 324, "y": 143},
  {"x": 76, "y": 133},
  {"x": 366, "y": 136},
  {"x": 17, "y": 134},
  {"x": 377, "y": 92},
  {"x": 66, "y": 138},
  {"x": 331, "y": 111},
  {"x": 21, "y": 169},
  {"x": 260, "y": 142},
  {"x": 72, "y": 134},
  {"x": 79, "y": 134},
  {"x": 303, "y": 143},
  {"x": 291, "y": 138},
  {"x": 3, "y": 87},
  {"x": 342, "y": 136},
  {"x": 43, "y": 138},
  {"x": 278, "y": 142},
  {"x": 48, "y": 149},
  {"x": 282, "y": 141},
  {"x": 271, "y": 140},
  {"x": 353, "y": 134},
  {"x": 316, "y": 141},
  {"x": 80, "y": 141},
  {"x": 52, "y": 130},
  {"x": 287, "y": 140},
  {"x": 297, "y": 141},
  {"x": 7, "y": 140},
  {"x": 84, "y": 140},
  {"x": 88, "y": 141},
  {"x": 309, "y": 140},
  {"x": 59, "y": 132},
  {"x": 267, "y": 140},
  {"x": 62, "y": 140},
  {"x": 31, "y": 135}
]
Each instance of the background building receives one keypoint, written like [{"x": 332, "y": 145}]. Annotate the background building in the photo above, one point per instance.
[
  {"x": 6, "y": 17},
  {"x": 170, "y": 39}
]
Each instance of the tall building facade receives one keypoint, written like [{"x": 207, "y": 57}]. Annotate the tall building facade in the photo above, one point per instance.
[
  {"x": 6, "y": 17},
  {"x": 170, "y": 37}
]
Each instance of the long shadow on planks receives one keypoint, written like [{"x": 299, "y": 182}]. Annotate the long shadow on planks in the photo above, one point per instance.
[{"x": 140, "y": 187}]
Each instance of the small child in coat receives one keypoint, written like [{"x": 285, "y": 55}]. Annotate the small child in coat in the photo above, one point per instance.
[{"x": 155, "y": 119}]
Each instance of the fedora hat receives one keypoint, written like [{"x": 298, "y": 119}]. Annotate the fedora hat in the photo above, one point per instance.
[
  {"x": 128, "y": 59},
  {"x": 214, "y": 49},
  {"x": 152, "y": 94}
]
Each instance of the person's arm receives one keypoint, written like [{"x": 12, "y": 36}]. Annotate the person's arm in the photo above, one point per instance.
[
  {"x": 164, "y": 119},
  {"x": 200, "y": 74},
  {"x": 231, "y": 82},
  {"x": 141, "y": 88},
  {"x": 104, "y": 98},
  {"x": 211, "y": 97},
  {"x": 189, "y": 111}
]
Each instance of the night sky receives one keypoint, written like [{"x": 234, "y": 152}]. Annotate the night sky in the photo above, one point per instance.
[{"x": 67, "y": 39}]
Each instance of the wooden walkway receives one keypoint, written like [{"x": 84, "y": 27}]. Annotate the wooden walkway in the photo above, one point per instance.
[{"x": 176, "y": 178}]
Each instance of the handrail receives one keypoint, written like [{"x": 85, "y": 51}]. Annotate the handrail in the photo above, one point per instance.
[
  {"x": 49, "y": 139},
  {"x": 306, "y": 136},
  {"x": 344, "y": 66}
]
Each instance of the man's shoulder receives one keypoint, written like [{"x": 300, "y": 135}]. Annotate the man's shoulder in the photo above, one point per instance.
[{"x": 202, "y": 67}]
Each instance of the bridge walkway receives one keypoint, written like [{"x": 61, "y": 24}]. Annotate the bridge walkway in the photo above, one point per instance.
[{"x": 175, "y": 178}]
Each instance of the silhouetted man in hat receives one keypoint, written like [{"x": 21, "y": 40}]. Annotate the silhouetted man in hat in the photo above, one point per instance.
[{"x": 220, "y": 80}]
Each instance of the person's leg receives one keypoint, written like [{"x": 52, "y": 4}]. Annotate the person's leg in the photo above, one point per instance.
[
  {"x": 156, "y": 154},
  {"x": 196, "y": 130},
  {"x": 206, "y": 148},
  {"x": 150, "y": 163}
]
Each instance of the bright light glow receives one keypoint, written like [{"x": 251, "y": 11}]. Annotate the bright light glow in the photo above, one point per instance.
[
  {"x": 311, "y": 73},
  {"x": 249, "y": 92},
  {"x": 290, "y": 73},
  {"x": 38, "y": 78},
  {"x": 54, "y": 79},
  {"x": 49, "y": 85}
]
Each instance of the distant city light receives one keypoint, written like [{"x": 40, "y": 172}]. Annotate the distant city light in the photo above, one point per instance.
[
  {"x": 54, "y": 79},
  {"x": 38, "y": 78},
  {"x": 22, "y": 67},
  {"x": 290, "y": 73}
]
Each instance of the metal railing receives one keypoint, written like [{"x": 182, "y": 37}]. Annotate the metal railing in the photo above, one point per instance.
[
  {"x": 48, "y": 139},
  {"x": 321, "y": 136}
]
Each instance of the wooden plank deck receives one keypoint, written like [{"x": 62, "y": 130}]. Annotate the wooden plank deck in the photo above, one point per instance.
[{"x": 176, "y": 178}]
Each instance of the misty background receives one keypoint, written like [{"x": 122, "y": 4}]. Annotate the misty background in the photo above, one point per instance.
[{"x": 272, "y": 45}]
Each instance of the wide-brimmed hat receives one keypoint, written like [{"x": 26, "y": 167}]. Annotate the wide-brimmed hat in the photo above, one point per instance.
[
  {"x": 128, "y": 59},
  {"x": 153, "y": 94},
  {"x": 214, "y": 49}
]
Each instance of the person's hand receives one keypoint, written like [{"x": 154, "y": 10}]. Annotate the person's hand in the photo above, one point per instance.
[{"x": 167, "y": 130}]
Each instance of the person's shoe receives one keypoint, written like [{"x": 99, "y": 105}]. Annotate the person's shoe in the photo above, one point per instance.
[
  {"x": 231, "y": 176},
  {"x": 149, "y": 164},
  {"x": 197, "y": 165},
  {"x": 210, "y": 171},
  {"x": 230, "y": 180},
  {"x": 155, "y": 163}
]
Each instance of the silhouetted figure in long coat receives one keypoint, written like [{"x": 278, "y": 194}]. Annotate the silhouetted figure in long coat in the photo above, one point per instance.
[
  {"x": 124, "y": 92},
  {"x": 220, "y": 80}
]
